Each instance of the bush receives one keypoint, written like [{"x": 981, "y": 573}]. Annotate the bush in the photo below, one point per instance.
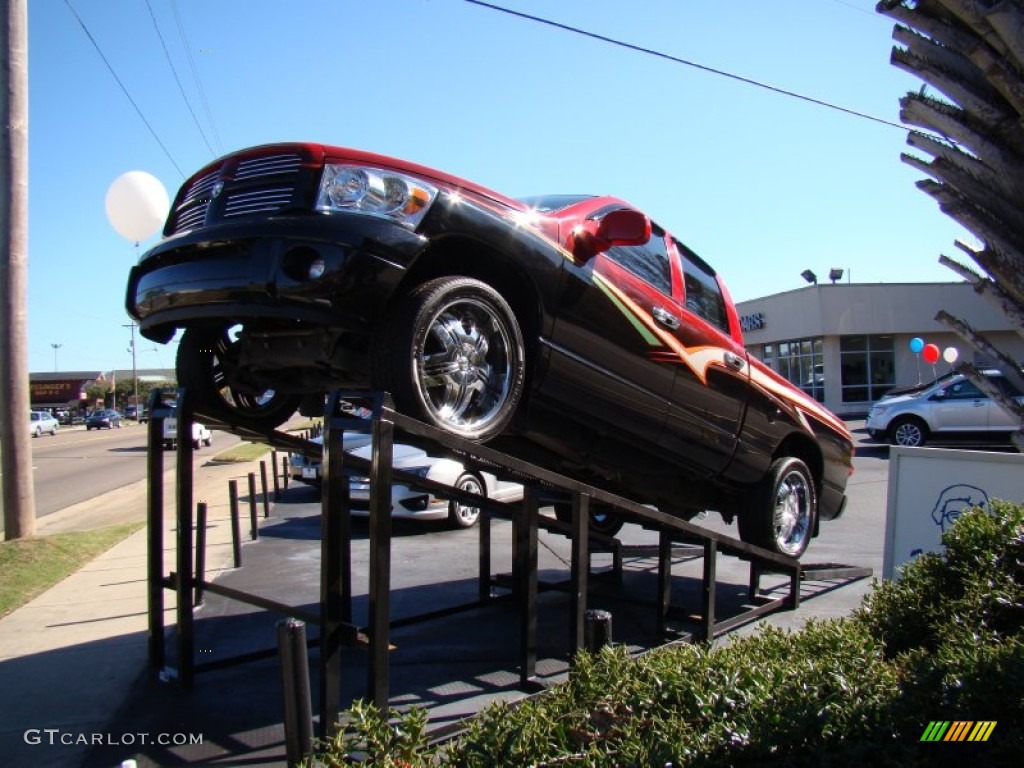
[{"x": 946, "y": 642}]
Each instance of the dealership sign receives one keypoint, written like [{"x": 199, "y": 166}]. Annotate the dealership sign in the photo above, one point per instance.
[
  {"x": 752, "y": 322},
  {"x": 62, "y": 391}
]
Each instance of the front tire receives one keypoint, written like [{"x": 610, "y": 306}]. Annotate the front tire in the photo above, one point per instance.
[
  {"x": 462, "y": 515},
  {"x": 206, "y": 362},
  {"x": 908, "y": 432},
  {"x": 453, "y": 355},
  {"x": 784, "y": 509}
]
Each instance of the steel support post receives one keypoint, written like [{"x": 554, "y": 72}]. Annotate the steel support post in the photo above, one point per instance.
[
  {"x": 236, "y": 523},
  {"x": 298, "y": 716},
  {"x": 580, "y": 570},
  {"x": 379, "y": 682},
  {"x": 710, "y": 577},
  {"x": 526, "y": 578},
  {"x": 335, "y": 573},
  {"x": 264, "y": 496},
  {"x": 484, "y": 583},
  {"x": 253, "y": 517},
  {"x": 664, "y": 581},
  {"x": 186, "y": 636},
  {"x": 155, "y": 530},
  {"x": 277, "y": 480},
  {"x": 200, "y": 551}
]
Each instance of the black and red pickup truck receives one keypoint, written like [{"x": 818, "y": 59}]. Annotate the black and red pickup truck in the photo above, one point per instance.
[{"x": 568, "y": 329}]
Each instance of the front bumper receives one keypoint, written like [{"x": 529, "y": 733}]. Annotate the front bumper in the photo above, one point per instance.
[{"x": 261, "y": 269}]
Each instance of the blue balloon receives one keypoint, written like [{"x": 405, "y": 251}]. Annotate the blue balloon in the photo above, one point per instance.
[{"x": 916, "y": 345}]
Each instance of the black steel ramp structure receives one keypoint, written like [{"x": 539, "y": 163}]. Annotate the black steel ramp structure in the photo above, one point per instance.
[{"x": 332, "y": 620}]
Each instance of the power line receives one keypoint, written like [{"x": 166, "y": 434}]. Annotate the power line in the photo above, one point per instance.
[
  {"x": 195, "y": 76},
  {"x": 174, "y": 71},
  {"x": 685, "y": 62},
  {"x": 123, "y": 89}
]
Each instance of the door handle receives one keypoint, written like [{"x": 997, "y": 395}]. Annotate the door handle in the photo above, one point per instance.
[
  {"x": 665, "y": 317},
  {"x": 734, "y": 361}
]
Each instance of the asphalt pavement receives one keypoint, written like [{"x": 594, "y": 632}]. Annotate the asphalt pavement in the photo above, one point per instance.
[{"x": 73, "y": 662}]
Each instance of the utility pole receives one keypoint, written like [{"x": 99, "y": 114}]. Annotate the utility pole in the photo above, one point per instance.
[
  {"x": 15, "y": 448},
  {"x": 135, "y": 372},
  {"x": 55, "y": 348}
]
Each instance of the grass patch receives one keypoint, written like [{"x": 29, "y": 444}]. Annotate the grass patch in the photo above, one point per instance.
[
  {"x": 31, "y": 566},
  {"x": 243, "y": 452}
]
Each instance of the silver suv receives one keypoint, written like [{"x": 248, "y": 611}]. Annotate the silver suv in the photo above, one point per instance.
[{"x": 951, "y": 407}]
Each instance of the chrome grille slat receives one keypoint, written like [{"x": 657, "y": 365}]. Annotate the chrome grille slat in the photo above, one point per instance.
[
  {"x": 254, "y": 201},
  {"x": 267, "y": 166}
]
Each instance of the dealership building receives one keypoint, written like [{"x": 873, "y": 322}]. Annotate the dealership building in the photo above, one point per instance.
[{"x": 847, "y": 343}]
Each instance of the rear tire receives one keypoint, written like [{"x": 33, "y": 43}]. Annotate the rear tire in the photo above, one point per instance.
[{"x": 783, "y": 511}]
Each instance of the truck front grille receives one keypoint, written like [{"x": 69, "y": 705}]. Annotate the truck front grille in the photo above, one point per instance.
[{"x": 238, "y": 187}]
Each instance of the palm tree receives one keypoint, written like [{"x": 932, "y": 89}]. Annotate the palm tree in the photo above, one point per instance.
[{"x": 970, "y": 142}]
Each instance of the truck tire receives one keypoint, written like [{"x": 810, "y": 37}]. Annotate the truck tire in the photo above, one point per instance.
[
  {"x": 452, "y": 354},
  {"x": 204, "y": 366},
  {"x": 783, "y": 509}
]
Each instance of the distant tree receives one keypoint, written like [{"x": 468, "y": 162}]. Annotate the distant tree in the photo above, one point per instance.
[{"x": 972, "y": 53}]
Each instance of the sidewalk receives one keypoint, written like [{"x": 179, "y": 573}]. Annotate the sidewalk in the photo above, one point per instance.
[{"x": 69, "y": 658}]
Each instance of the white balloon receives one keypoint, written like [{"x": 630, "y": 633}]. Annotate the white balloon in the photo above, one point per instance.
[
  {"x": 137, "y": 205},
  {"x": 950, "y": 354}
]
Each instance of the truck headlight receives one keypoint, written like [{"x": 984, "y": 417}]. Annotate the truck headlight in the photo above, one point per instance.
[{"x": 376, "y": 192}]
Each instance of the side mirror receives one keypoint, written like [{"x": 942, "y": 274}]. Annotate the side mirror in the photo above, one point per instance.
[{"x": 622, "y": 227}]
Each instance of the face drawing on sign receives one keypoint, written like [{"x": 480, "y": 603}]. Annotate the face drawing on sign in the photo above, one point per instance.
[{"x": 954, "y": 500}]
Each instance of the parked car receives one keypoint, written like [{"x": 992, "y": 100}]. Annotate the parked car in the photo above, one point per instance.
[
  {"x": 105, "y": 419},
  {"x": 408, "y": 502},
  {"x": 201, "y": 434},
  {"x": 953, "y": 407},
  {"x": 567, "y": 330},
  {"x": 41, "y": 421}
]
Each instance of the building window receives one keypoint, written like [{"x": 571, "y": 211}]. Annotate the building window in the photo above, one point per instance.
[
  {"x": 867, "y": 367},
  {"x": 801, "y": 362}
]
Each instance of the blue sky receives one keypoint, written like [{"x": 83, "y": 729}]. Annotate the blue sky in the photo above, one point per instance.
[{"x": 761, "y": 185}]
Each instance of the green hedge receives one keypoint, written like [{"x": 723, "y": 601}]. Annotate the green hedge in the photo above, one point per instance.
[{"x": 946, "y": 642}]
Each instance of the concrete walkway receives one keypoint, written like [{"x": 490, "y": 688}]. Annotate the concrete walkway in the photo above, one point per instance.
[{"x": 69, "y": 658}]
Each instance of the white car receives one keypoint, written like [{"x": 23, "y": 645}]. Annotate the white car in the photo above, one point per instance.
[
  {"x": 201, "y": 434},
  {"x": 41, "y": 421},
  {"x": 414, "y": 503}
]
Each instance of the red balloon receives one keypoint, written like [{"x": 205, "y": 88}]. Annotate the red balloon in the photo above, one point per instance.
[{"x": 930, "y": 353}]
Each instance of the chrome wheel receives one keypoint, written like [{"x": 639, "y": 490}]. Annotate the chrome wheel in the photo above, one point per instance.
[
  {"x": 463, "y": 515},
  {"x": 782, "y": 511},
  {"x": 791, "y": 519},
  {"x": 453, "y": 355}
]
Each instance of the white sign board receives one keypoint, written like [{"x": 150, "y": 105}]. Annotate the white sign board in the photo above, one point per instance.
[{"x": 930, "y": 487}]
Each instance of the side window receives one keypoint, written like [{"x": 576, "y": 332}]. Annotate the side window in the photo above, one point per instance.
[
  {"x": 964, "y": 390},
  {"x": 650, "y": 261},
  {"x": 703, "y": 296}
]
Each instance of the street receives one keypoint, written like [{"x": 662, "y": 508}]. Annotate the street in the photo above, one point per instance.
[{"x": 76, "y": 464}]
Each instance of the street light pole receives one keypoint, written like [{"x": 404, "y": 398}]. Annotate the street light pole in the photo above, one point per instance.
[
  {"x": 135, "y": 375},
  {"x": 55, "y": 348}
]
